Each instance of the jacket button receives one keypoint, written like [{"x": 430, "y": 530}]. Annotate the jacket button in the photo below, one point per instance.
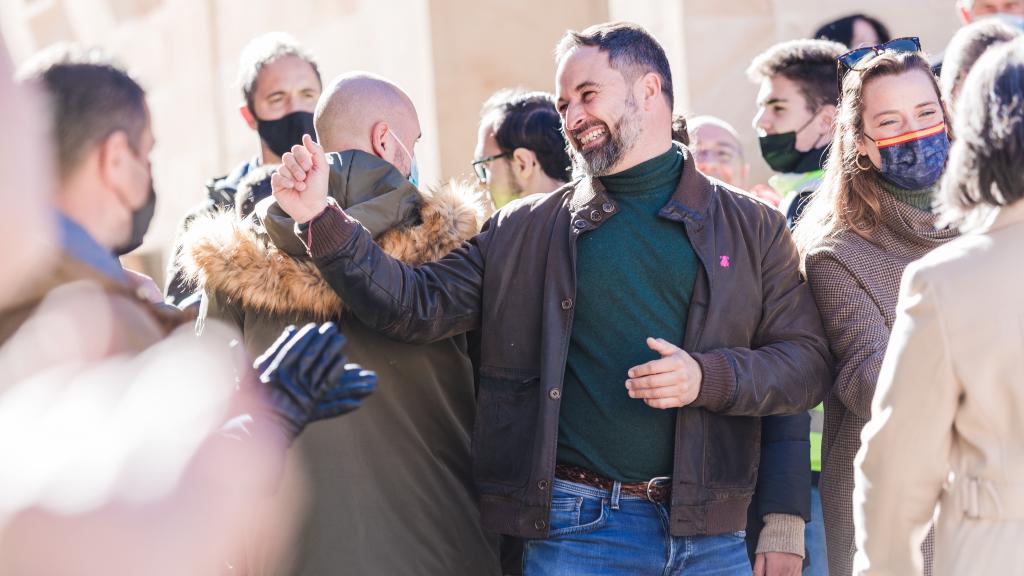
[
  {"x": 579, "y": 224},
  {"x": 596, "y": 216},
  {"x": 542, "y": 485},
  {"x": 540, "y": 524},
  {"x": 567, "y": 303},
  {"x": 608, "y": 207},
  {"x": 555, "y": 394}
]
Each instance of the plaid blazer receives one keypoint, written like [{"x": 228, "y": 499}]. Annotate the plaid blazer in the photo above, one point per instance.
[{"x": 856, "y": 282}]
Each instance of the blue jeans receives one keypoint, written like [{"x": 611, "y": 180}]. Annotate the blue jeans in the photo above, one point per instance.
[
  {"x": 814, "y": 538},
  {"x": 598, "y": 532}
]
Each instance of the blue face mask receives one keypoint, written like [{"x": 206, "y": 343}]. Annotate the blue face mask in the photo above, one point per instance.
[
  {"x": 414, "y": 172},
  {"x": 1015, "y": 20},
  {"x": 914, "y": 160}
]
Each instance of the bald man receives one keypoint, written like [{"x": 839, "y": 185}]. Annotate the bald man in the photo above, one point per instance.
[
  {"x": 388, "y": 491},
  {"x": 718, "y": 151}
]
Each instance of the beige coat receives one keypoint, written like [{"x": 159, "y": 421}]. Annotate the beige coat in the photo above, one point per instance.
[{"x": 948, "y": 414}]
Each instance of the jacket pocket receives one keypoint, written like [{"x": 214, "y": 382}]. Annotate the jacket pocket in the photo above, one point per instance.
[
  {"x": 505, "y": 425},
  {"x": 733, "y": 451}
]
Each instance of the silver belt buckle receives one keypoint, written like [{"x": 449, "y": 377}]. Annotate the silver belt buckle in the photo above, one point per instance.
[{"x": 656, "y": 481}]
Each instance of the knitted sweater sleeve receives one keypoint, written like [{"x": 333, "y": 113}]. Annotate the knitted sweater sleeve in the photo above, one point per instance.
[{"x": 856, "y": 329}]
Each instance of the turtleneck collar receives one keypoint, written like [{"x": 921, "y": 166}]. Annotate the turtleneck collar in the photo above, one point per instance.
[
  {"x": 657, "y": 173},
  {"x": 920, "y": 199}
]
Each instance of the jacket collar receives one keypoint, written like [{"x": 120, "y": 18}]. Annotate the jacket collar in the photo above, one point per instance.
[
  {"x": 590, "y": 203},
  {"x": 237, "y": 259}
]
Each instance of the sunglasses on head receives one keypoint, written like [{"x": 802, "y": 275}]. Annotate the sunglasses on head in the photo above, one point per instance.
[{"x": 859, "y": 58}]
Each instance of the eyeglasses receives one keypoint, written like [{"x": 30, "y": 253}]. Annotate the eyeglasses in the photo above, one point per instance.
[
  {"x": 859, "y": 58},
  {"x": 483, "y": 172}
]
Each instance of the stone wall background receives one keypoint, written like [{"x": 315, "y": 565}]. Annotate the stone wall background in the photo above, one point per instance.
[{"x": 450, "y": 55}]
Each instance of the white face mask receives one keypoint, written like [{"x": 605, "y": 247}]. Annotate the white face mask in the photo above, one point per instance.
[
  {"x": 414, "y": 173},
  {"x": 1014, "y": 20}
]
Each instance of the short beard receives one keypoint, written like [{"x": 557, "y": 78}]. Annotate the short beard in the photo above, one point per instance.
[{"x": 621, "y": 140}]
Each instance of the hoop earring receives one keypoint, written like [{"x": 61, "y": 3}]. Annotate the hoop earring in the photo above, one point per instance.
[{"x": 864, "y": 168}]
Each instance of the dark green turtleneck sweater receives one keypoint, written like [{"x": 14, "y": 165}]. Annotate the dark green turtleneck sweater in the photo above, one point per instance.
[
  {"x": 922, "y": 199},
  {"x": 635, "y": 275}
]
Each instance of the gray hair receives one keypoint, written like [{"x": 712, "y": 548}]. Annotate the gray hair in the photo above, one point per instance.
[
  {"x": 984, "y": 161},
  {"x": 967, "y": 45},
  {"x": 90, "y": 98},
  {"x": 264, "y": 50}
]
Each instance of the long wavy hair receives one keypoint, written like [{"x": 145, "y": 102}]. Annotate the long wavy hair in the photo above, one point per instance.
[{"x": 847, "y": 199}]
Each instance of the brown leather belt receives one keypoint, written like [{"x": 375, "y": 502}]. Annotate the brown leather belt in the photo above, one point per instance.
[{"x": 656, "y": 489}]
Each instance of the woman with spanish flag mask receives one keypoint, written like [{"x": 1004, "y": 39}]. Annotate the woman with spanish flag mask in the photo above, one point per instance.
[{"x": 871, "y": 217}]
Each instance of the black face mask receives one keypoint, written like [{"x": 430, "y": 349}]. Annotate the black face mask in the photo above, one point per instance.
[
  {"x": 779, "y": 150},
  {"x": 141, "y": 218},
  {"x": 285, "y": 132}
]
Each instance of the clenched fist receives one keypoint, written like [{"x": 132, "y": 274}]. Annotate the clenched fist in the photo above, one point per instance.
[{"x": 300, "y": 184}]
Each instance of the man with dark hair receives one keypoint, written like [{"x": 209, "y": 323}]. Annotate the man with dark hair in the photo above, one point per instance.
[
  {"x": 280, "y": 84},
  {"x": 520, "y": 149},
  {"x": 796, "y": 109},
  {"x": 634, "y": 327}
]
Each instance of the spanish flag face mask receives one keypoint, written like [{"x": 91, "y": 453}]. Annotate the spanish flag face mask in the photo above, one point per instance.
[{"x": 914, "y": 160}]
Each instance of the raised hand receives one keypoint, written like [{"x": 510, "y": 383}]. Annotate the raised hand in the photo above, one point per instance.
[
  {"x": 671, "y": 381},
  {"x": 300, "y": 184}
]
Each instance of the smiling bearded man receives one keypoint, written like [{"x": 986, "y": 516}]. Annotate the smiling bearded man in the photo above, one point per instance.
[{"x": 634, "y": 326}]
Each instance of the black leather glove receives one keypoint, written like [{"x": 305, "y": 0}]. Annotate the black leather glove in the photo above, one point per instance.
[
  {"x": 347, "y": 394},
  {"x": 307, "y": 379}
]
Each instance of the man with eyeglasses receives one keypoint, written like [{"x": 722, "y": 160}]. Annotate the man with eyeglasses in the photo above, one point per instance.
[
  {"x": 717, "y": 149},
  {"x": 520, "y": 149}
]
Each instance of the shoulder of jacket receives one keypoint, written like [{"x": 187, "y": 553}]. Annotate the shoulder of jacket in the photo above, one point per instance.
[{"x": 730, "y": 198}]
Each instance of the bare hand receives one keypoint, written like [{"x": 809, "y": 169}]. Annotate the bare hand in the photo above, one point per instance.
[
  {"x": 672, "y": 381},
  {"x": 778, "y": 564},
  {"x": 300, "y": 184}
]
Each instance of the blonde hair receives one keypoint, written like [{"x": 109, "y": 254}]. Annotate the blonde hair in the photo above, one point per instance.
[{"x": 847, "y": 198}]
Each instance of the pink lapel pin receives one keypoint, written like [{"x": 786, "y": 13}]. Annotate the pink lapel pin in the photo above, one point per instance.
[{"x": 723, "y": 261}]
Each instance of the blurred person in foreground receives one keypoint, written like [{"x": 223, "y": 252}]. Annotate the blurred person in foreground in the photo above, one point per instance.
[
  {"x": 948, "y": 407},
  {"x": 107, "y": 397},
  {"x": 390, "y": 488},
  {"x": 967, "y": 45},
  {"x": 520, "y": 149},
  {"x": 871, "y": 217},
  {"x": 620, "y": 395},
  {"x": 23, "y": 116},
  {"x": 280, "y": 83}
]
